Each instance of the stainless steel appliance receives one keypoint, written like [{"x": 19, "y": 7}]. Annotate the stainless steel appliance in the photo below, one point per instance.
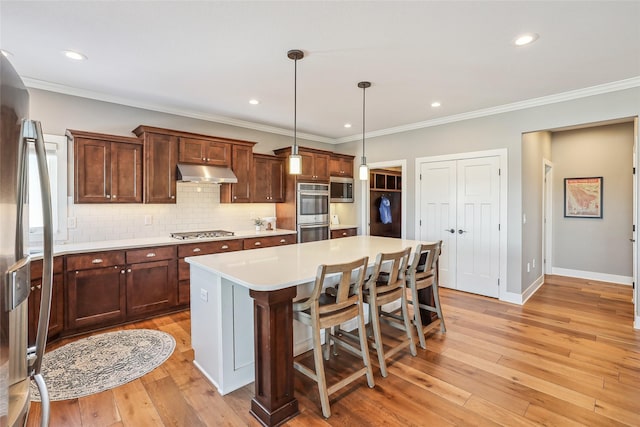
[
  {"x": 312, "y": 212},
  {"x": 341, "y": 189},
  {"x": 20, "y": 363},
  {"x": 201, "y": 234}
]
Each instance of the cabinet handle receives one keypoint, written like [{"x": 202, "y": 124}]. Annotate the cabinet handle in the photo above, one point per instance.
[
  {"x": 33, "y": 288},
  {"x": 107, "y": 196},
  {"x": 204, "y": 159},
  {"x": 173, "y": 197},
  {"x": 151, "y": 254},
  {"x": 38, "y": 286},
  {"x": 197, "y": 249},
  {"x": 283, "y": 241},
  {"x": 344, "y": 233},
  {"x": 76, "y": 271},
  {"x": 114, "y": 196},
  {"x": 128, "y": 270},
  {"x": 122, "y": 271},
  {"x": 257, "y": 244},
  {"x": 97, "y": 261},
  {"x": 225, "y": 247}
]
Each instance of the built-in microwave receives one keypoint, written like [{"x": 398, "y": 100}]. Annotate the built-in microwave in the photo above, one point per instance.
[{"x": 341, "y": 189}]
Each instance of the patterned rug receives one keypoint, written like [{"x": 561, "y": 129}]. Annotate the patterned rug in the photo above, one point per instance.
[{"x": 101, "y": 362}]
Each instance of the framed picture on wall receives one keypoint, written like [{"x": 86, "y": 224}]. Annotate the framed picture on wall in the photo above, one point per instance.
[{"x": 583, "y": 197}]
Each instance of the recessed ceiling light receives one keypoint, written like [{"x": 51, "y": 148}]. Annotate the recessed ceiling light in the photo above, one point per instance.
[
  {"x": 76, "y": 56},
  {"x": 347, "y": 125},
  {"x": 525, "y": 39},
  {"x": 435, "y": 104},
  {"x": 254, "y": 102},
  {"x": 6, "y": 53}
]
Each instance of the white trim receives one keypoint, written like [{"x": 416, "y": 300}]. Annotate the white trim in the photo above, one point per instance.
[
  {"x": 532, "y": 288},
  {"x": 82, "y": 93},
  {"x": 547, "y": 217},
  {"x": 364, "y": 210},
  {"x": 636, "y": 323},
  {"x": 534, "y": 102},
  {"x": 502, "y": 153},
  {"x": 593, "y": 275},
  {"x": 529, "y": 103}
]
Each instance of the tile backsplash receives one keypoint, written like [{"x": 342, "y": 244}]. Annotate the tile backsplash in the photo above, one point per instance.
[{"x": 197, "y": 207}]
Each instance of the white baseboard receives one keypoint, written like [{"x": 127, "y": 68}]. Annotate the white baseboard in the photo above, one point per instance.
[
  {"x": 636, "y": 324},
  {"x": 510, "y": 297},
  {"x": 532, "y": 289},
  {"x": 592, "y": 275}
]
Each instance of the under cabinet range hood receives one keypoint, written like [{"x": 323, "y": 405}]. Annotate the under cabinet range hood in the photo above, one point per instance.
[{"x": 206, "y": 174}]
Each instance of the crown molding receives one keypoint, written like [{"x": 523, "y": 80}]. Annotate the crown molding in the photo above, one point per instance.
[
  {"x": 529, "y": 103},
  {"x": 98, "y": 96},
  {"x": 534, "y": 102}
]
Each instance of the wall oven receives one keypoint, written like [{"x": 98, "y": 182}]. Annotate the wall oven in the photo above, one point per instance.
[
  {"x": 312, "y": 212},
  {"x": 341, "y": 189}
]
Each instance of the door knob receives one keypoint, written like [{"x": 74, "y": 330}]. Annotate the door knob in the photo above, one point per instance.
[
  {"x": 462, "y": 231},
  {"x": 450, "y": 230}
]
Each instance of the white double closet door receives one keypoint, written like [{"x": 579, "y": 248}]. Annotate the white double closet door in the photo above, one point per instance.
[{"x": 460, "y": 205}]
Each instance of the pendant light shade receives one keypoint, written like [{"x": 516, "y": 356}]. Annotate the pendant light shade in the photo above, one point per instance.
[
  {"x": 295, "y": 161},
  {"x": 364, "y": 169}
]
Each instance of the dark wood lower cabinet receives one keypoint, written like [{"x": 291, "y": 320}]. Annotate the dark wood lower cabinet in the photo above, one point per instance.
[
  {"x": 151, "y": 287},
  {"x": 56, "y": 316},
  {"x": 96, "y": 297}
]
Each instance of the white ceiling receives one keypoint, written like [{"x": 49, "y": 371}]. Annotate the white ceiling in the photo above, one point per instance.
[{"x": 207, "y": 59}]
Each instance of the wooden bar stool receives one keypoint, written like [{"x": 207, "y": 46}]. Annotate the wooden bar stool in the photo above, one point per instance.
[
  {"x": 323, "y": 311},
  {"x": 385, "y": 287},
  {"x": 422, "y": 273}
]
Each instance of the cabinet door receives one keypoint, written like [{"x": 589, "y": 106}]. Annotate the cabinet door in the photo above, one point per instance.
[
  {"x": 92, "y": 171},
  {"x": 95, "y": 297},
  {"x": 192, "y": 151},
  {"x": 321, "y": 167},
  {"x": 161, "y": 160},
  {"x": 308, "y": 168},
  {"x": 151, "y": 287},
  {"x": 56, "y": 316},
  {"x": 219, "y": 153},
  {"x": 276, "y": 180},
  {"x": 126, "y": 173},
  {"x": 261, "y": 184},
  {"x": 242, "y": 162},
  {"x": 339, "y": 166}
]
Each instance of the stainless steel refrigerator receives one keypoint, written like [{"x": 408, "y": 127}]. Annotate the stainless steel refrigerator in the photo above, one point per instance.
[{"x": 19, "y": 362}]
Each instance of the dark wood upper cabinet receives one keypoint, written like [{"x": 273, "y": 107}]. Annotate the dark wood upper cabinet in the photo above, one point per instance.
[
  {"x": 268, "y": 179},
  {"x": 160, "y": 164},
  {"x": 341, "y": 165},
  {"x": 199, "y": 151},
  {"x": 242, "y": 167},
  {"x": 315, "y": 163},
  {"x": 107, "y": 168}
]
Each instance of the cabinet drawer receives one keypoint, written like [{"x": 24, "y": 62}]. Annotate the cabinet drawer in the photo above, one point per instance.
[
  {"x": 344, "y": 232},
  {"x": 94, "y": 260},
  {"x": 205, "y": 248},
  {"x": 151, "y": 254},
  {"x": 265, "y": 242},
  {"x": 36, "y": 267}
]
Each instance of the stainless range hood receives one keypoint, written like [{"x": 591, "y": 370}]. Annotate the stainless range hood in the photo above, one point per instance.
[{"x": 206, "y": 174}]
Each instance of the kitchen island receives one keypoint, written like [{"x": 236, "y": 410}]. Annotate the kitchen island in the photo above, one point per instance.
[{"x": 242, "y": 318}]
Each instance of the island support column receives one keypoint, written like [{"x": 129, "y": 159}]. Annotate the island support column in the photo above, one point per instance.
[{"x": 274, "y": 401}]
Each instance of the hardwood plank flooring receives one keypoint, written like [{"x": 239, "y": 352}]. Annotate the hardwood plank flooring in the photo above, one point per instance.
[{"x": 568, "y": 357}]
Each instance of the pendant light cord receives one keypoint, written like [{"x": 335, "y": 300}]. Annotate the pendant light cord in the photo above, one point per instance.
[
  {"x": 295, "y": 106},
  {"x": 363, "y": 122}
]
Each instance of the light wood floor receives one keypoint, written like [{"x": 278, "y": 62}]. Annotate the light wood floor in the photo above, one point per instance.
[{"x": 569, "y": 357}]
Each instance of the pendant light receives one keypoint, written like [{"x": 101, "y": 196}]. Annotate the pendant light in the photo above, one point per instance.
[
  {"x": 364, "y": 169},
  {"x": 295, "y": 161}
]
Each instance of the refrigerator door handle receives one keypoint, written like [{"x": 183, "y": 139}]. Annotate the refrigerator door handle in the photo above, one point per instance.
[{"x": 36, "y": 353}]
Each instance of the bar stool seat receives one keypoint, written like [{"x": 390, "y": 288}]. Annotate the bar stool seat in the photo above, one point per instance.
[{"x": 324, "y": 311}]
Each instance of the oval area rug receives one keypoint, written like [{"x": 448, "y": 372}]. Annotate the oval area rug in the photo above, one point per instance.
[{"x": 103, "y": 361}]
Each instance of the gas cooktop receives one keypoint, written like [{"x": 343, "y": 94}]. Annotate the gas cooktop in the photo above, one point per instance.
[{"x": 201, "y": 234}]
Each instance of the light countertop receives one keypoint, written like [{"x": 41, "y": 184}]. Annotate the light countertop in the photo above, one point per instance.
[
  {"x": 342, "y": 226},
  {"x": 107, "y": 245},
  {"x": 280, "y": 267}
]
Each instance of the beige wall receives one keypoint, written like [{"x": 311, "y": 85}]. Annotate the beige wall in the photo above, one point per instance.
[
  {"x": 536, "y": 146},
  {"x": 589, "y": 244}
]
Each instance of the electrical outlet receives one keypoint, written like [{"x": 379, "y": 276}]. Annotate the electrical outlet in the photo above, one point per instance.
[
  {"x": 148, "y": 219},
  {"x": 528, "y": 267},
  {"x": 71, "y": 222},
  {"x": 204, "y": 295}
]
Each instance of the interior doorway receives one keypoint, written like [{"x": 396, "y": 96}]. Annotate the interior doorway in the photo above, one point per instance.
[{"x": 372, "y": 192}]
